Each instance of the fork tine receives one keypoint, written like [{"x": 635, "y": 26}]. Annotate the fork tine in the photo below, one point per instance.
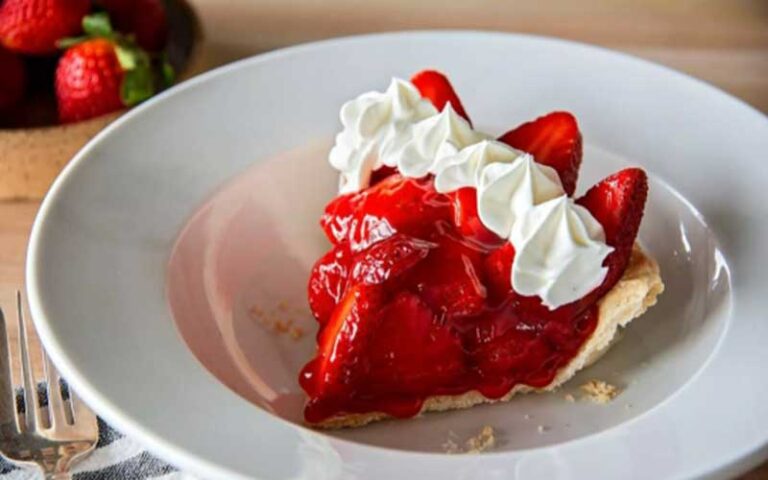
[
  {"x": 84, "y": 418},
  {"x": 8, "y": 412},
  {"x": 31, "y": 403},
  {"x": 57, "y": 409}
]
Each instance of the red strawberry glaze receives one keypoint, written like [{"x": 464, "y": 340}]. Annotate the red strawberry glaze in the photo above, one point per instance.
[{"x": 427, "y": 309}]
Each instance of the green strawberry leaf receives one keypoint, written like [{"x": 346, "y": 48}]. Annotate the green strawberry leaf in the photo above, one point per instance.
[
  {"x": 138, "y": 83},
  {"x": 137, "y": 86},
  {"x": 98, "y": 25},
  {"x": 127, "y": 56}
]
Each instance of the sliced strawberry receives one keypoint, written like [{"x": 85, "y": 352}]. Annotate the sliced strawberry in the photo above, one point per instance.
[
  {"x": 435, "y": 87},
  {"x": 328, "y": 281},
  {"x": 553, "y": 140},
  {"x": 507, "y": 352},
  {"x": 336, "y": 221},
  {"x": 344, "y": 338},
  {"x": 498, "y": 272},
  {"x": 618, "y": 202},
  {"x": 431, "y": 357},
  {"x": 450, "y": 279},
  {"x": 389, "y": 259},
  {"x": 396, "y": 204},
  {"x": 466, "y": 218}
]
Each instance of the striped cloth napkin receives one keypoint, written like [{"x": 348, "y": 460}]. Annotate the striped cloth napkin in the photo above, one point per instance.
[{"x": 116, "y": 457}]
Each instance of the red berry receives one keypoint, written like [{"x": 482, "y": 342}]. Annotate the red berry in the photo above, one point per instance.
[
  {"x": 344, "y": 338},
  {"x": 435, "y": 87},
  {"x": 466, "y": 218},
  {"x": 33, "y": 26},
  {"x": 389, "y": 259},
  {"x": 146, "y": 19},
  {"x": 12, "y": 79},
  {"x": 89, "y": 79},
  {"x": 498, "y": 272},
  {"x": 396, "y": 204},
  {"x": 338, "y": 216},
  {"x": 431, "y": 357},
  {"x": 328, "y": 282},
  {"x": 618, "y": 203},
  {"x": 450, "y": 279},
  {"x": 553, "y": 140}
]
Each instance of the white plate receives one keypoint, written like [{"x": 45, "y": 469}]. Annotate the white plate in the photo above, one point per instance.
[{"x": 239, "y": 151}]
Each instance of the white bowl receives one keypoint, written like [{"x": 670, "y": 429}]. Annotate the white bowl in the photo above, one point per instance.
[{"x": 230, "y": 169}]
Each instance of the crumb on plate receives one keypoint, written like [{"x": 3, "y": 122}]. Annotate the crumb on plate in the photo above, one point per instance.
[
  {"x": 599, "y": 391},
  {"x": 451, "y": 447},
  {"x": 296, "y": 332},
  {"x": 483, "y": 441},
  {"x": 279, "y": 320}
]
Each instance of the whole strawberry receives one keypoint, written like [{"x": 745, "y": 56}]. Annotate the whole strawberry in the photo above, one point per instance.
[
  {"x": 12, "y": 79},
  {"x": 101, "y": 73},
  {"x": 145, "y": 19},
  {"x": 33, "y": 26}
]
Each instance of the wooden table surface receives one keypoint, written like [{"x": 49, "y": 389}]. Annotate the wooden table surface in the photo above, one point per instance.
[{"x": 724, "y": 42}]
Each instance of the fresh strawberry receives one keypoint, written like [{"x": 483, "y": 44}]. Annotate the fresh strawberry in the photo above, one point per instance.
[
  {"x": 498, "y": 272},
  {"x": 389, "y": 258},
  {"x": 328, "y": 281},
  {"x": 344, "y": 338},
  {"x": 450, "y": 279},
  {"x": 34, "y": 26},
  {"x": 553, "y": 140},
  {"x": 431, "y": 357},
  {"x": 146, "y": 19},
  {"x": 466, "y": 218},
  {"x": 101, "y": 74},
  {"x": 12, "y": 80},
  {"x": 618, "y": 203},
  {"x": 89, "y": 81},
  {"x": 435, "y": 87}
]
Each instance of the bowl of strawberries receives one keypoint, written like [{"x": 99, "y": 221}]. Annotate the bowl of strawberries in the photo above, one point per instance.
[{"x": 70, "y": 67}]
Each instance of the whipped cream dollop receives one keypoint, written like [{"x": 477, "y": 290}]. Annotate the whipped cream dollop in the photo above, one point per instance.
[
  {"x": 371, "y": 120},
  {"x": 419, "y": 150},
  {"x": 559, "y": 252},
  {"x": 508, "y": 181}
]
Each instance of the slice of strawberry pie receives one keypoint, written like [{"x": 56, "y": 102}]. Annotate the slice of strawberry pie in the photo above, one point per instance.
[{"x": 462, "y": 270}]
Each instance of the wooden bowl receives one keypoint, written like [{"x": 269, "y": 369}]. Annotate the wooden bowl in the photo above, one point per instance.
[{"x": 32, "y": 157}]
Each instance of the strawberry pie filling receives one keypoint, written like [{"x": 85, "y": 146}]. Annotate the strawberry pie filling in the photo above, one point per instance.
[{"x": 415, "y": 297}]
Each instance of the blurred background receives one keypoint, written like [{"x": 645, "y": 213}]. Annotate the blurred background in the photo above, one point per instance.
[{"x": 724, "y": 42}]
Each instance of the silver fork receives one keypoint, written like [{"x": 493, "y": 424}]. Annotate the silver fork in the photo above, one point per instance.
[{"x": 53, "y": 436}]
